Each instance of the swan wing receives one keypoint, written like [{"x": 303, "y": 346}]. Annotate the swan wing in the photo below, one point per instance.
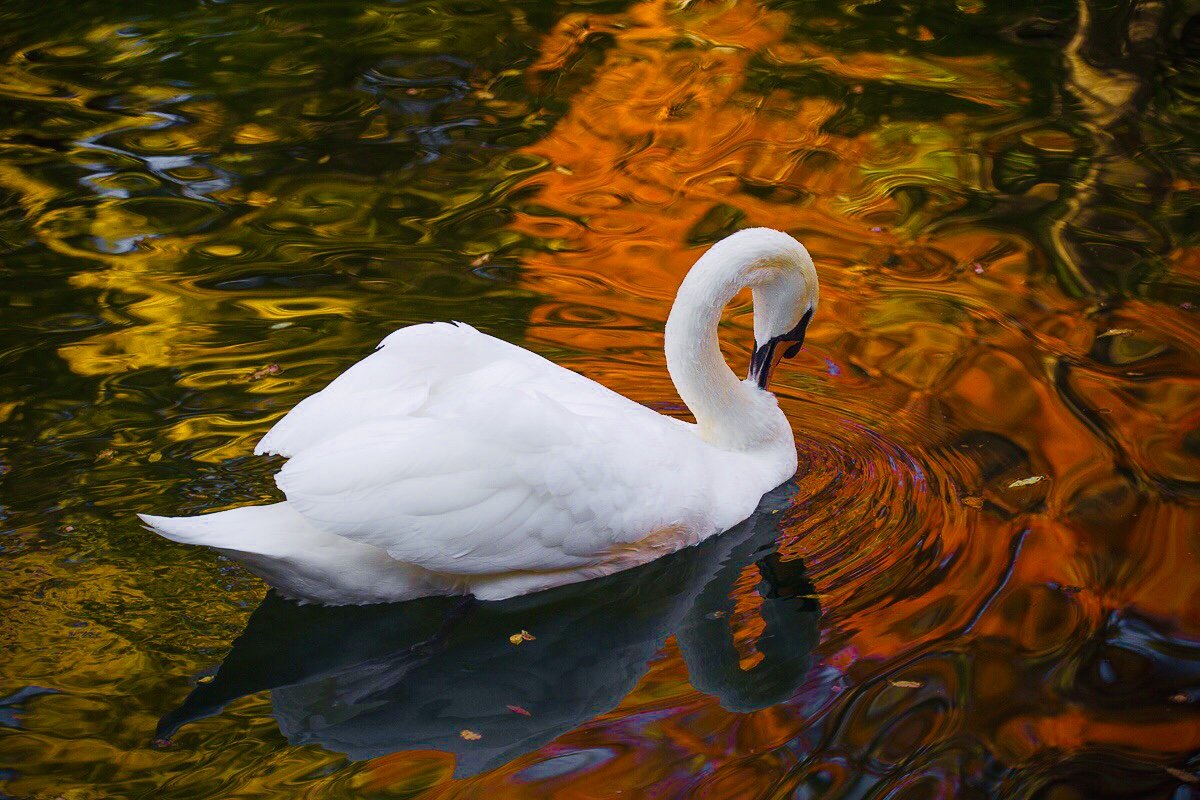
[
  {"x": 409, "y": 367},
  {"x": 502, "y": 476}
]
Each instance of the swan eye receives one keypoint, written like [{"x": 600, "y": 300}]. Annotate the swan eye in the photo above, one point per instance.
[
  {"x": 763, "y": 362},
  {"x": 796, "y": 335}
]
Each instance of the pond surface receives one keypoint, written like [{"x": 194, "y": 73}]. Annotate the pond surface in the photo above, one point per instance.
[{"x": 983, "y": 583}]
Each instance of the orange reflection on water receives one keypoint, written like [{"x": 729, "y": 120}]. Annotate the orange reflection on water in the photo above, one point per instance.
[{"x": 668, "y": 145}]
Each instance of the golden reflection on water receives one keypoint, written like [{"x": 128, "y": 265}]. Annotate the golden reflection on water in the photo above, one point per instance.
[{"x": 208, "y": 213}]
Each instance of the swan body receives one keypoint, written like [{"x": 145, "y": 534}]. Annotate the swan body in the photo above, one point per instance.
[
  {"x": 369, "y": 681},
  {"x": 452, "y": 462}
]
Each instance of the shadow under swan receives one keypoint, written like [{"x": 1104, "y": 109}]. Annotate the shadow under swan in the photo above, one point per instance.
[{"x": 372, "y": 680}]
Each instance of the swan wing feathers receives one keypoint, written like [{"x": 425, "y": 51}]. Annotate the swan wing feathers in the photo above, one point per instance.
[
  {"x": 499, "y": 478},
  {"x": 408, "y": 367}
]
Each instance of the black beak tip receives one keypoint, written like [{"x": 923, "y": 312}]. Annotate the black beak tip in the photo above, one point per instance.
[
  {"x": 760, "y": 364},
  {"x": 763, "y": 361}
]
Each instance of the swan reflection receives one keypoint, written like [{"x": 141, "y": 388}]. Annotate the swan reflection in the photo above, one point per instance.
[{"x": 371, "y": 680}]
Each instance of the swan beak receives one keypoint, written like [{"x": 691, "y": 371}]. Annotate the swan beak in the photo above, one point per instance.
[
  {"x": 787, "y": 345},
  {"x": 762, "y": 363}
]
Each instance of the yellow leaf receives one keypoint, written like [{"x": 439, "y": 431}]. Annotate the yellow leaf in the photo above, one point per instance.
[
  {"x": 1027, "y": 481},
  {"x": 1186, "y": 777}
]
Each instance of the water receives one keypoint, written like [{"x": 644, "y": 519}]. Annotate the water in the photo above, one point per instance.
[{"x": 989, "y": 580}]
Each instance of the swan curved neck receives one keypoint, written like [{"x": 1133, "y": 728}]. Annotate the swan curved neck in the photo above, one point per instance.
[{"x": 724, "y": 407}]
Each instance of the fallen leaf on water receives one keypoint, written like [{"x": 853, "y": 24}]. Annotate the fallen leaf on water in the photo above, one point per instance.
[
  {"x": 527, "y": 636},
  {"x": 1115, "y": 332},
  {"x": 519, "y": 710},
  {"x": 1179, "y": 697},
  {"x": 206, "y": 679},
  {"x": 516, "y": 638},
  {"x": 481, "y": 260},
  {"x": 105, "y": 455},
  {"x": 262, "y": 372},
  {"x": 1027, "y": 481},
  {"x": 1186, "y": 777},
  {"x": 906, "y": 684},
  {"x": 973, "y": 502},
  {"x": 469, "y": 735}
]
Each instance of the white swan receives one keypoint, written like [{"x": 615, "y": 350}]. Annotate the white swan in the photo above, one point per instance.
[{"x": 451, "y": 462}]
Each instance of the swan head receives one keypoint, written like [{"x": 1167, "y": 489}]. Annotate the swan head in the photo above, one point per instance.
[
  {"x": 733, "y": 414},
  {"x": 782, "y": 277}
]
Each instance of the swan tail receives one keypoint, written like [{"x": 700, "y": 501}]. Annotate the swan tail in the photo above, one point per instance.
[
  {"x": 300, "y": 560},
  {"x": 254, "y": 529}
]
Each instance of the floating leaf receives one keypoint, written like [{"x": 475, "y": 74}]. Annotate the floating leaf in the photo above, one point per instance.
[
  {"x": 262, "y": 372},
  {"x": 1116, "y": 332},
  {"x": 527, "y": 636},
  {"x": 518, "y": 710},
  {"x": 1027, "y": 481},
  {"x": 469, "y": 735},
  {"x": 1179, "y": 697},
  {"x": 1186, "y": 777},
  {"x": 906, "y": 684},
  {"x": 973, "y": 502}
]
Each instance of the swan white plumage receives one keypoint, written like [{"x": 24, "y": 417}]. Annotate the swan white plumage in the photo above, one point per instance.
[{"x": 452, "y": 462}]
